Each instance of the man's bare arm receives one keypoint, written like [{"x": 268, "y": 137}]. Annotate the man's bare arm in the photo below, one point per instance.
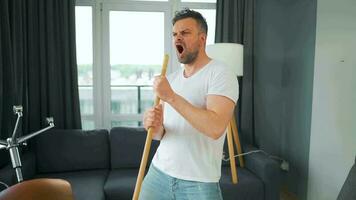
[{"x": 211, "y": 121}]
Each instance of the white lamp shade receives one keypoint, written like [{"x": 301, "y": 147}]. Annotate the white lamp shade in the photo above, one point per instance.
[{"x": 229, "y": 53}]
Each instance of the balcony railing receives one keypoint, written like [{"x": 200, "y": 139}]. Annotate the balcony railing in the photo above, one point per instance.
[{"x": 127, "y": 101}]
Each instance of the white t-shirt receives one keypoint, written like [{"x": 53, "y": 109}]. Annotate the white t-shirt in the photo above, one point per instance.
[{"x": 184, "y": 152}]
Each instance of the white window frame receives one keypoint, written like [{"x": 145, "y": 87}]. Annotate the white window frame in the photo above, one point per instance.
[
  {"x": 92, "y": 117},
  {"x": 126, "y": 6}
]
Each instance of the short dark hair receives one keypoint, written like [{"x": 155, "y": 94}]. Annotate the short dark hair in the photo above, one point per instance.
[{"x": 187, "y": 13}]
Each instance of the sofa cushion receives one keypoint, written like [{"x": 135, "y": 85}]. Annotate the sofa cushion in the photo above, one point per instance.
[
  {"x": 86, "y": 185},
  {"x": 120, "y": 184},
  {"x": 68, "y": 150},
  {"x": 249, "y": 186},
  {"x": 127, "y": 146}
]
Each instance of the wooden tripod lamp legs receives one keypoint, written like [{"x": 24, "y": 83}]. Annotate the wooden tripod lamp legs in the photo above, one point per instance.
[
  {"x": 232, "y": 134},
  {"x": 237, "y": 140},
  {"x": 231, "y": 154}
]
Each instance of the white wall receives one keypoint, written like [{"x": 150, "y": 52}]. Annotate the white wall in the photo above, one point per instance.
[{"x": 333, "y": 128}]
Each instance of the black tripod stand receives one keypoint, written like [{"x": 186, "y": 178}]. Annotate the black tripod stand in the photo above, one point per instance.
[{"x": 13, "y": 143}]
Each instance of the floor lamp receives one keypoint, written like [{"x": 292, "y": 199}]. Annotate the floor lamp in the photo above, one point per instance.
[{"x": 232, "y": 55}]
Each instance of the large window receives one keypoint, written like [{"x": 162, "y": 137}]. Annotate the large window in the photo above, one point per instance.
[
  {"x": 136, "y": 49},
  {"x": 120, "y": 47}
]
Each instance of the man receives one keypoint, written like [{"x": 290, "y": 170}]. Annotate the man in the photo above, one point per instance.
[{"x": 198, "y": 103}]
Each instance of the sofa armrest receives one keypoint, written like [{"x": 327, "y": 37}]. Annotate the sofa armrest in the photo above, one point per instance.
[{"x": 266, "y": 169}]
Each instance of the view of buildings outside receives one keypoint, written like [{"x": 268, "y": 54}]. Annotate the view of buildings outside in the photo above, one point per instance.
[{"x": 131, "y": 90}]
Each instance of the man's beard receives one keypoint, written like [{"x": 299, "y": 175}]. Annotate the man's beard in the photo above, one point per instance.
[{"x": 189, "y": 58}]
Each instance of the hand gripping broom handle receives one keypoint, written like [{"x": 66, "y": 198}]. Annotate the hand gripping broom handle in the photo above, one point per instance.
[{"x": 146, "y": 151}]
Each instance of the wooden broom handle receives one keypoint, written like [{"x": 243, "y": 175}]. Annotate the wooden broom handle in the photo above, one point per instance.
[{"x": 147, "y": 148}]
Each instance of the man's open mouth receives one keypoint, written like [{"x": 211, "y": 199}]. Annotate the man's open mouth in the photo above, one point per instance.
[{"x": 180, "y": 48}]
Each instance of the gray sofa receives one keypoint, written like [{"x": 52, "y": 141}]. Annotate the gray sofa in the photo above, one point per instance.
[{"x": 102, "y": 165}]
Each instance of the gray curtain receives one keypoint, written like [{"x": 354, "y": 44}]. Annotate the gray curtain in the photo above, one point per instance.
[
  {"x": 38, "y": 65},
  {"x": 235, "y": 24}
]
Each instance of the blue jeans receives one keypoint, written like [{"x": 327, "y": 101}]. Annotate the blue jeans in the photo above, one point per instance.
[{"x": 160, "y": 186}]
